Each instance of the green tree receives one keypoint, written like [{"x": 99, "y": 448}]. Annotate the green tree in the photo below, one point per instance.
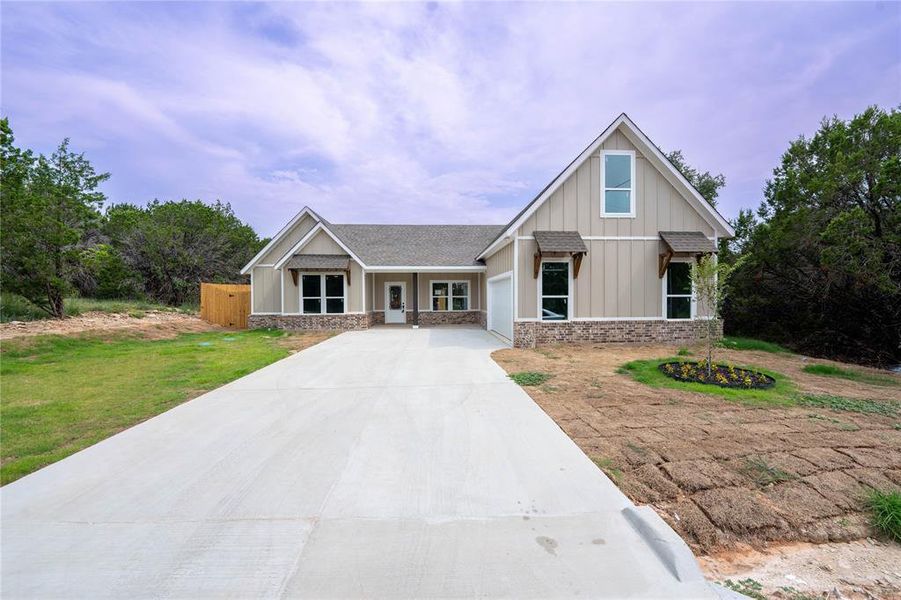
[
  {"x": 822, "y": 271},
  {"x": 707, "y": 184},
  {"x": 47, "y": 204},
  {"x": 709, "y": 279},
  {"x": 173, "y": 246}
]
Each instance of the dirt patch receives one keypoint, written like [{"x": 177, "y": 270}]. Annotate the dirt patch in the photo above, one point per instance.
[
  {"x": 154, "y": 324},
  {"x": 859, "y": 570},
  {"x": 723, "y": 473}
]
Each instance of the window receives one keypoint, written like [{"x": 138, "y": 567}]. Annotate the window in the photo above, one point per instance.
[
  {"x": 678, "y": 290},
  {"x": 617, "y": 177},
  {"x": 450, "y": 295},
  {"x": 554, "y": 291},
  {"x": 322, "y": 291}
]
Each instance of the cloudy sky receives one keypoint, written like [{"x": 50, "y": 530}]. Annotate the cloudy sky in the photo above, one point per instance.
[{"x": 427, "y": 112}]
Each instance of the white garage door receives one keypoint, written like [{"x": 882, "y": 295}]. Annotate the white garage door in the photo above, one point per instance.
[{"x": 500, "y": 306}]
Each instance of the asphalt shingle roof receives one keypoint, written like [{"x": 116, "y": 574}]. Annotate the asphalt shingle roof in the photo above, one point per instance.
[
  {"x": 417, "y": 245},
  {"x": 688, "y": 241},
  {"x": 559, "y": 241}
]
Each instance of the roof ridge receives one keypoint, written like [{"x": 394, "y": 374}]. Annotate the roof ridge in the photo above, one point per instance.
[{"x": 420, "y": 224}]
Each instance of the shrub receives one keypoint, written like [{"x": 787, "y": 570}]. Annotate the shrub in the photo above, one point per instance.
[{"x": 886, "y": 513}]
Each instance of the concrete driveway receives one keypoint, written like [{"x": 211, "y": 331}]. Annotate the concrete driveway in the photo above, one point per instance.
[{"x": 381, "y": 464}]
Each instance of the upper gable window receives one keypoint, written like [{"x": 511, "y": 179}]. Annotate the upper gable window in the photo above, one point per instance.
[{"x": 618, "y": 183}]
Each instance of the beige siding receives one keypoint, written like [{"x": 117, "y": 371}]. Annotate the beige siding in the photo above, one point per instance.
[
  {"x": 483, "y": 291},
  {"x": 370, "y": 278},
  {"x": 618, "y": 278},
  {"x": 292, "y": 293},
  {"x": 425, "y": 289},
  {"x": 382, "y": 278},
  {"x": 266, "y": 290},
  {"x": 577, "y": 203},
  {"x": 296, "y": 233},
  {"x": 355, "y": 289},
  {"x": 501, "y": 261},
  {"x": 528, "y": 288},
  {"x": 322, "y": 243}
]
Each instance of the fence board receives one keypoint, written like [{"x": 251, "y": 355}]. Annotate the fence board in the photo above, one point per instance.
[{"x": 225, "y": 304}]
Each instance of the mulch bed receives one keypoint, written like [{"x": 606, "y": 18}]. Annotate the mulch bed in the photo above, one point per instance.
[{"x": 726, "y": 376}]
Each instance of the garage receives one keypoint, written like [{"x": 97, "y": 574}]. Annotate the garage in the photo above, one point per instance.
[{"x": 500, "y": 305}]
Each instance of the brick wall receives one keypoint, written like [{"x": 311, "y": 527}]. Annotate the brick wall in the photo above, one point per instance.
[
  {"x": 292, "y": 322},
  {"x": 528, "y": 334},
  {"x": 448, "y": 317}
]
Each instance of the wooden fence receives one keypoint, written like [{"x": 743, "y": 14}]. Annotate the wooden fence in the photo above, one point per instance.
[{"x": 225, "y": 304}]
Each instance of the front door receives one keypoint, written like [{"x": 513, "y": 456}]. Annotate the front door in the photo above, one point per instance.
[{"x": 395, "y": 302}]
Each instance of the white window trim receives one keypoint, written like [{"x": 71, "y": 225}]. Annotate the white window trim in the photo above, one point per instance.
[
  {"x": 450, "y": 295},
  {"x": 665, "y": 285},
  {"x": 569, "y": 295},
  {"x": 632, "y": 189},
  {"x": 322, "y": 296}
]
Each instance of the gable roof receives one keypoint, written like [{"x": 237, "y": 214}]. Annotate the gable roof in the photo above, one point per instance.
[
  {"x": 306, "y": 210},
  {"x": 416, "y": 245},
  {"x": 637, "y": 137}
]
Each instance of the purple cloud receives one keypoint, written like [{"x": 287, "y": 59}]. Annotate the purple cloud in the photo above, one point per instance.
[{"x": 427, "y": 112}]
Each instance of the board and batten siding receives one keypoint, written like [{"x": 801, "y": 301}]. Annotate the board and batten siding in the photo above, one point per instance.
[
  {"x": 576, "y": 205},
  {"x": 296, "y": 233},
  {"x": 501, "y": 261},
  {"x": 618, "y": 278},
  {"x": 266, "y": 289}
]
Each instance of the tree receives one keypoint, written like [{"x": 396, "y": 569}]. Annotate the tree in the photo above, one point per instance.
[
  {"x": 822, "y": 271},
  {"x": 709, "y": 279},
  {"x": 47, "y": 204},
  {"x": 173, "y": 246},
  {"x": 707, "y": 185}
]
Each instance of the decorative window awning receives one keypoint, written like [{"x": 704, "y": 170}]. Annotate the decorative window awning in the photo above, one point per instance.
[
  {"x": 556, "y": 244},
  {"x": 683, "y": 242},
  {"x": 318, "y": 263}
]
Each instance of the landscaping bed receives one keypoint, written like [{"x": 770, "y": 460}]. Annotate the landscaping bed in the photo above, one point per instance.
[
  {"x": 721, "y": 375},
  {"x": 727, "y": 468}
]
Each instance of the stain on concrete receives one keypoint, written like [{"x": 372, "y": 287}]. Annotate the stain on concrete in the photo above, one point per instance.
[
  {"x": 598, "y": 541},
  {"x": 549, "y": 544}
]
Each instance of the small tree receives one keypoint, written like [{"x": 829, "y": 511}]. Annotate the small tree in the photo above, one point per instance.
[
  {"x": 47, "y": 205},
  {"x": 709, "y": 278}
]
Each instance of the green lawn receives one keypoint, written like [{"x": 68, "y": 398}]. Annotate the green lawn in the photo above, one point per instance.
[
  {"x": 62, "y": 394},
  {"x": 646, "y": 372},
  {"x": 850, "y": 374}
]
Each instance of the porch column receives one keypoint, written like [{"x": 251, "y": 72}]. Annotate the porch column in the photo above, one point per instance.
[{"x": 416, "y": 299}]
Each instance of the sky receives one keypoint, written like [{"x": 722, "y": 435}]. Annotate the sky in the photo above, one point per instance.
[{"x": 427, "y": 113}]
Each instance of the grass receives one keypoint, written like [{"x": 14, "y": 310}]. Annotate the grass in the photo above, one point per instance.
[
  {"x": 850, "y": 374},
  {"x": 606, "y": 465},
  {"x": 885, "y": 509},
  {"x": 856, "y": 405},
  {"x": 683, "y": 352},
  {"x": 64, "y": 393},
  {"x": 763, "y": 473},
  {"x": 646, "y": 372},
  {"x": 741, "y": 343},
  {"x": 528, "y": 378},
  {"x": 17, "y": 308}
]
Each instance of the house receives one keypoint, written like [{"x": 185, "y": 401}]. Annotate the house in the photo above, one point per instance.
[{"x": 600, "y": 254}]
